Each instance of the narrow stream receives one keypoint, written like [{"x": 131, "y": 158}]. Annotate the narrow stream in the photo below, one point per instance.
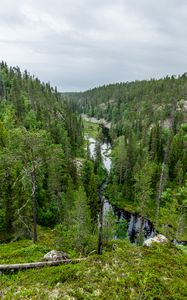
[{"x": 133, "y": 219}]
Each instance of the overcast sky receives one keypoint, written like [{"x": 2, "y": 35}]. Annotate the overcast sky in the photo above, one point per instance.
[{"x": 79, "y": 44}]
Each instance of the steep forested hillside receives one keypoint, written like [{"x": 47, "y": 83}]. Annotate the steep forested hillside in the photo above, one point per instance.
[
  {"x": 39, "y": 139},
  {"x": 149, "y": 136}
]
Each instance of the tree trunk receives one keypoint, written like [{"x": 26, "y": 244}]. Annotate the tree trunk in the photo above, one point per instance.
[
  {"x": 163, "y": 174},
  {"x": 38, "y": 264},
  {"x": 100, "y": 227},
  {"x": 33, "y": 177},
  {"x": 163, "y": 178},
  {"x": 8, "y": 207}
]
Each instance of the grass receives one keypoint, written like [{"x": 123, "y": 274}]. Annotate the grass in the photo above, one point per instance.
[
  {"x": 90, "y": 129},
  {"x": 129, "y": 272},
  {"x": 27, "y": 251}
]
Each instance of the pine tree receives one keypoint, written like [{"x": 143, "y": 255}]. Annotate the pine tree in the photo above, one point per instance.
[{"x": 81, "y": 222}]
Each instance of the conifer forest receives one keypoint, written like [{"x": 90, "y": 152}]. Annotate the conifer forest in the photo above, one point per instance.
[{"x": 95, "y": 174}]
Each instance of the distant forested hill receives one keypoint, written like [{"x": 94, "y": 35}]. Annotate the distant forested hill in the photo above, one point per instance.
[
  {"x": 149, "y": 136},
  {"x": 144, "y": 101}
]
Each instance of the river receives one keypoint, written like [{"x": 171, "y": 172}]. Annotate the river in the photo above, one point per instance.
[{"x": 133, "y": 219}]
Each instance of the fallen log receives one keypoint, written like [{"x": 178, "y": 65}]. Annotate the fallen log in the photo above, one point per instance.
[{"x": 39, "y": 264}]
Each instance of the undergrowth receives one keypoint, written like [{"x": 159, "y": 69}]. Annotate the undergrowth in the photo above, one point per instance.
[{"x": 129, "y": 272}]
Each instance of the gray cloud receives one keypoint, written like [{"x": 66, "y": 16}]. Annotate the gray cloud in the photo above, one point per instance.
[{"x": 77, "y": 44}]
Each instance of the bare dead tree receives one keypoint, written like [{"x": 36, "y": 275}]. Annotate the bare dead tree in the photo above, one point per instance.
[
  {"x": 163, "y": 174},
  {"x": 100, "y": 226}
]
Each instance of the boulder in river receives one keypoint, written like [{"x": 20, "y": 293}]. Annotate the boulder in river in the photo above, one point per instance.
[
  {"x": 54, "y": 255},
  {"x": 160, "y": 238}
]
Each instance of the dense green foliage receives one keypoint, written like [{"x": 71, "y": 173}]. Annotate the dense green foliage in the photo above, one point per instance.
[
  {"x": 49, "y": 187},
  {"x": 39, "y": 140},
  {"x": 149, "y": 137}
]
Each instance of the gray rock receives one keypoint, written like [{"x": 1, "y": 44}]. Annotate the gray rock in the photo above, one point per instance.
[
  {"x": 54, "y": 255},
  {"x": 157, "y": 239}
]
